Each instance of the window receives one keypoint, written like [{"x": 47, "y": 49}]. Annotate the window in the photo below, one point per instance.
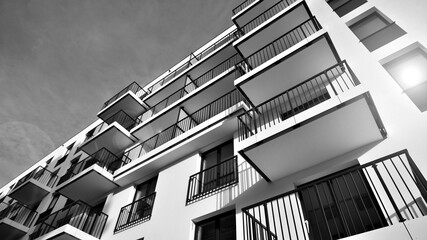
[
  {"x": 409, "y": 70},
  {"x": 61, "y": 160},
  {"x": 48, "y": 161},
  {"x": 374, "y": 29},
  {"x": 215, "y": 172},
  {"x": 346, "y": 203},
  {"x": 221, "y": 227},
  {"x": 342, "y": 7}
]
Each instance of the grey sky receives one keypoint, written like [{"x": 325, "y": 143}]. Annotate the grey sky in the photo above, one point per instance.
[{"x": 61, "y": 59}]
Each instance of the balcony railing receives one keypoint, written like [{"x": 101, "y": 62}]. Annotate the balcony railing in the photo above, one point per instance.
[
  {"x": 135, "y": 213},
  {"x": 360, "y": 199},
  {"x": 133, "y": 87},
  {"x": 242, "y": 6},
  {"x": 212, "y": 179},
  {"x": 224, "y": 40},
  {"x": 283, "y": 43},
  {"x": 78, "y": 215},
  {"x": 332, "y": 81},
  {"x": 41, "y": 175},
  {"x": 264, "y": 16},
  {"x": 193, "y": 85},
  {"x": 17, "y": 213},
  {"x": 217, "y": 106},
  {"x": 103, "y": 158}
]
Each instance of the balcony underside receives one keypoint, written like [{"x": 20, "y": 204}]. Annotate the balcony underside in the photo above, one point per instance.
[
  {"x": 129, "y": 103},
  {"x": 252, "y": 11},
  {"x": 219, "y": 127},
  {"x": 114, "y": 138},
  {"x": 30, "y": 192},
  {"x": 287, "y": 69},
  {"x": 289, "y": 148},
  {"x": 271, "y": 29},
  {"x": 10, "y": 230},
  {"x": 197, "y": 70},
  {"x": 67, "y": 232},
  {"x": 191, "y": 103},
  {"x": 89, "y": 185}
]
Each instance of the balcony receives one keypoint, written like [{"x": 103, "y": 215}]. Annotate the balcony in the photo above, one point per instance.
[
  {"x": 242, "y": 6},
  {"x": 127, "y": 100},
  {"x": 34, "y": 186},
  {"x": 112, "y": 134},
  {"x": 135, "y": 213},
  {"x": 214, "y": 82},
  {"x": 361, "y": 199},
  {"x": 76, "y": 221},
  {"x": 212, "y": 179},
  {"x": 91, "y": 178},
  {"x": 196, "y": 69},
  {"x": 327, "y": 106},
  {"x": 206, "y": 125},
  {"x": 15, "y": 220}
]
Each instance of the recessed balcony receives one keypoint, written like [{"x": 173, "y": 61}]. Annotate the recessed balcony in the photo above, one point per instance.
[
  {"x": 210, "y": 123},
  {"x": 15, "y": 220},
  {"x": 91, "y": 178},
  {"x": 76, "y": 221},
  {"x": 127, "y": 100},
  {"x": 212, "y": 179},
  {"x": 361, "y": 199},
  {"x": 34, "y": 186},
  {"x": 113, "y": 134},
  {"x": 216, "y": 82},
  {"x": 327, "y": 106},
  {"x": 198, "y": 69}
]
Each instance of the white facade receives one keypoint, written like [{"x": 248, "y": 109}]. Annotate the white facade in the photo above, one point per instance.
[{"x": 307, "y": 116}]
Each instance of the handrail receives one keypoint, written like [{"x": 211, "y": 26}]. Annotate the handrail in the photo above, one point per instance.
[
  {"x": 383, "y": 192},
  {"x": 39, "y": 174},
  {"x": 242, "y": 6},
  {"x": 264, "y": 16},
  {"x": 334, "y": 80},
  {"x": 135, "y": 212},
  {"x": 190, "y": 87},
  {"x": 284, "y": 42},
  {"x": 134, "y": 87},
  {"x": 215, "y": 107},
  {"x": 184, "y": 66},
  {"x": 78, "y": 214},
  {"x": 212, "y": 179},
  {"x": 19, "y": 213},
  {"x": 103, "y": 158}
]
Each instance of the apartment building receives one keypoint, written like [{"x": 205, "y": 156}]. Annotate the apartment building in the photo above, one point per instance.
[{"x": 306, "y": 119}]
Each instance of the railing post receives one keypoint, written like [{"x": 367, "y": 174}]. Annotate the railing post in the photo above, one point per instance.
[
  {"x": 393, "y": 203},
  {"x": 267, "y": 222},
  {"x": 330, "y": 83}
]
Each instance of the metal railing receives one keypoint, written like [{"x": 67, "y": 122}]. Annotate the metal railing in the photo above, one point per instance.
[
  {"x": 193, "y": 59},
  {"x": 215, "y": 107},
  {"x": 242, "y": 6},
  {"x": 283, "y": 42},
  {"x": 191, "y": 86},
  {"x": 78, "y": 214},
  {"x": 212, "y": 179},
  {"x": 103, "y": 158},
  {"x": 319, "y": 88},
  {"x": 133, "y": 87},
  {"x": 18, "y": 213},
  {"x": 41, "y": 175},
  {"x": 136, "y": 212},
  {"x": 264, "y": 16},
  {"x": 356, "y": 200}
]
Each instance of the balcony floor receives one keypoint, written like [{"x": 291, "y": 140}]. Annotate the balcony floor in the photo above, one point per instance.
[
  {"x": 89, "y": 185},
  {"x": 129, "y": 103},
  {"x": 10, "y": 230},
  {"x": 287, "y": 149},
  {"x": 67, "y": 232},
  {"x": 30, "y": 192}
]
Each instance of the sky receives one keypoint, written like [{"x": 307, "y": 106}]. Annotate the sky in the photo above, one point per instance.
[{"x": 60, "y": 60}]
